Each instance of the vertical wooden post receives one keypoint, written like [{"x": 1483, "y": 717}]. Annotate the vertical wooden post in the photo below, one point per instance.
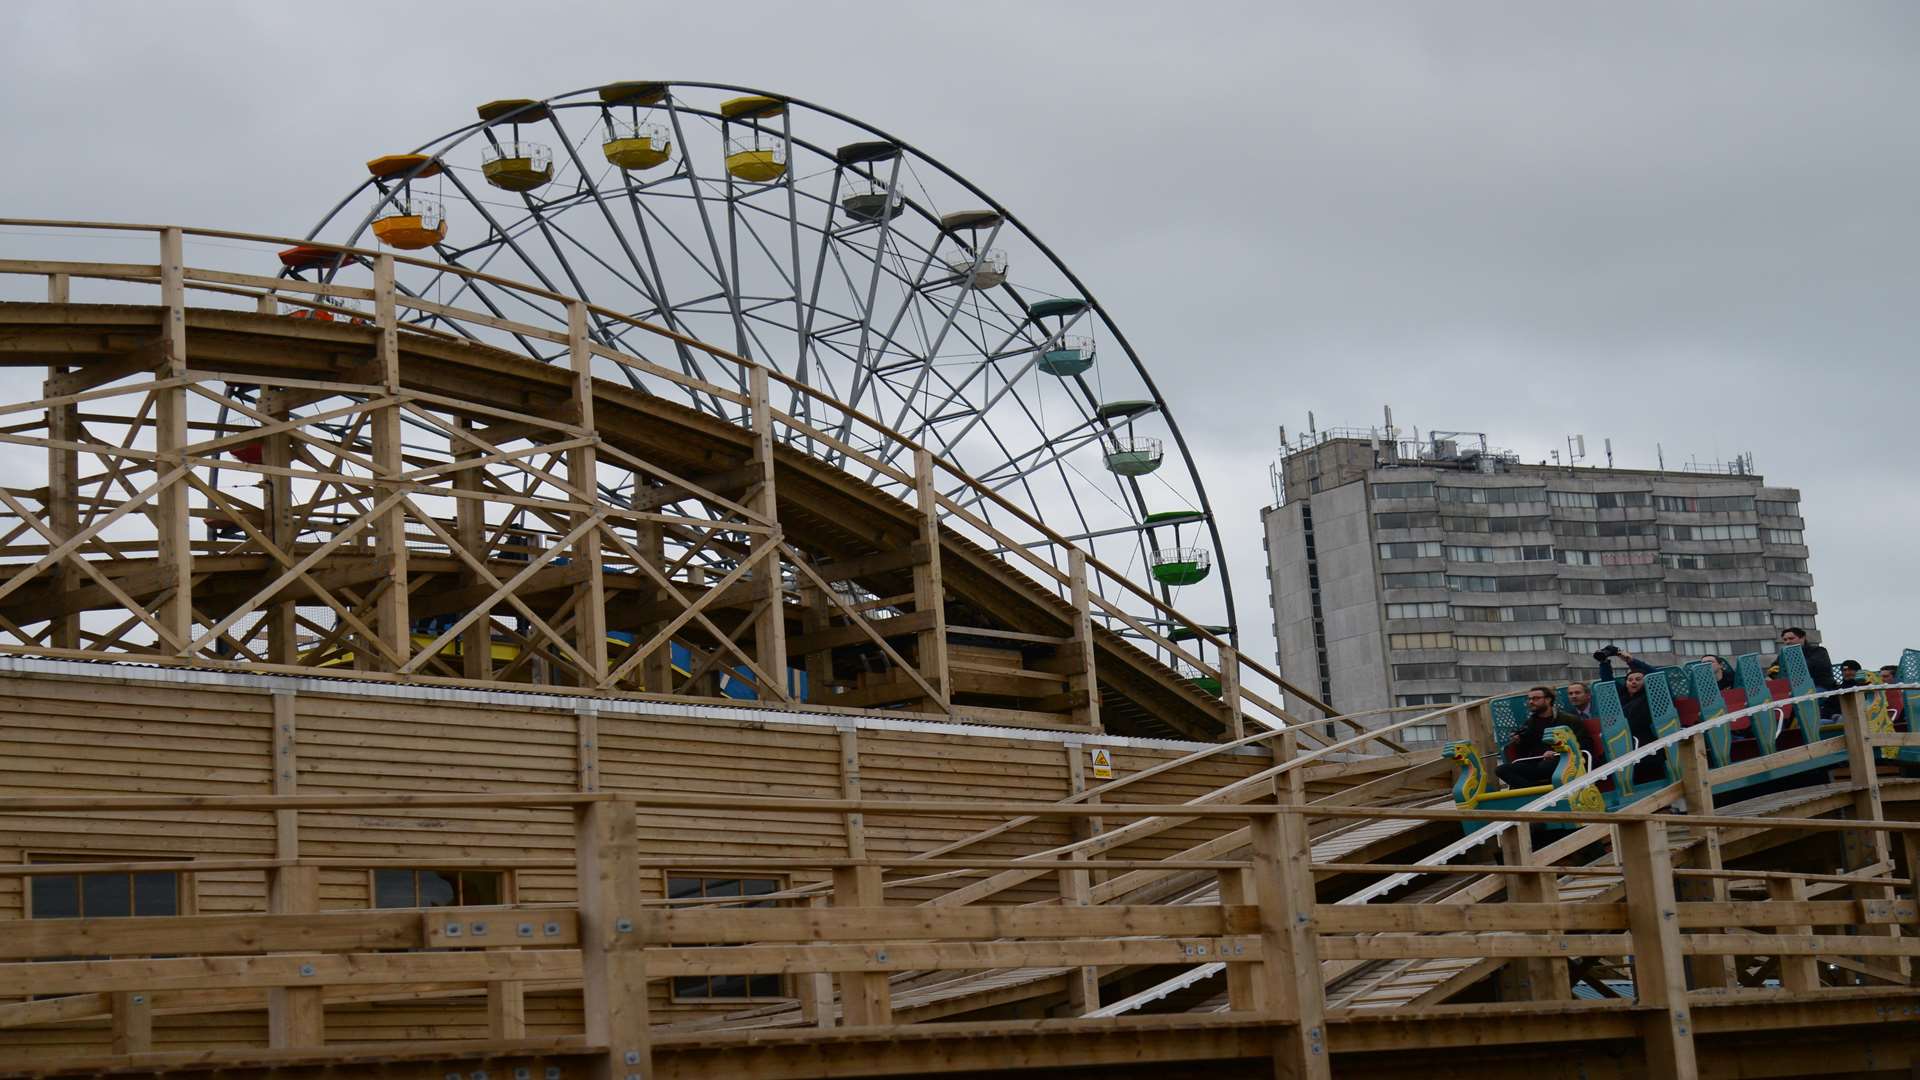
[
  {"x": 63, "y": 498},
  {"x": 132, "y": 1021},
  {"x": 1532, "y": 978},
  {"x": 1085, "y": 684},
  {"x": 1289, "y": 972},
  {"x": 470, "y": 529},
  {"x": 390, "y": 530},
  {"x": 856, "y": 823},
  {"x": 657, "y": 669},
  {"x": 1659, "y": 967},
  {"x": 1796, "y": 972},
  {"x": 770, "y": 628},
  {"x": 815, "y": 989},
  {"x": 1230, "y": 690},
  {"x": 614, "y": 930},
  {"x": 283, "y": 631},
  {"x": 1237, "y": 889},
  {"x": 1290, "y": 786},
  {"x": 58, "y": 286},
  {"x": 173, "y": 519},
  {"x": 583, "y": 472},
  {"x": 929, "y": 587},
  {"x": 587, "y": 748},
  {"x": 1076, "y": 888},
  {"x": 814, "y": 607},
  {"x": 865, "y": 1000},
  {"x": 1708, "y": 971},
  {"x": 1868, "y": 848},
  {"x": 296, "y": 1015}
]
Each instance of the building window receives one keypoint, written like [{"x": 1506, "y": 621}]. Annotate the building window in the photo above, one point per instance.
[
  {"x": 1673, "y": 561},
  {"x": 1493, "y": 524},
  {"x": 438, "y": 888},
  {"x": 1420, "y": 641},
  {"x": 689, "y": 888},
  {"x": 1516, "y": 643},
  {"x": 1775, "y": 508},
  {"x": 1721, "y": 648},
  {"x": 1581, "y": 557},
  {"x": 1419, "y": 611},
  {"x": 115, "y": 895},
  {"x": 1720, "y": 618},
  {"x": 1519, "y": 613},
  {"x": 1411, "y": 700},
  {"x": 1786, "y": 536},
  {"x": 1603, "y": 528},
  {"x": 1412, "y": 519},
  {"x": 1613, "y": 586},
  {"x": 1597, "y": 500},
  {"x": 1492, "y": 495},
  {"x": 1786, "y": 566},
  {"x": 1424, "y": 549},
  {"x": 1712, "y": 504},
  {"x": 1514, "y": 674},
  {"x": 1790, "y": 592},
  {"x": 1411, "y": 672},
  {"x": 1715, "y": 532},
  {"x": 1632, "y": 645},
  {"x": 1614, "y": 616},
  {"x": 1717, "y": 590},
  {"x": 1522, "y": 553},
  {"x": 1410, "y": 490},
  {"x": 1425, "y": 579}
]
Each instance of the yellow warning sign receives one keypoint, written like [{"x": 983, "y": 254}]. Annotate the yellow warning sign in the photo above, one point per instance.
[{"x": 1102, "y": 764}]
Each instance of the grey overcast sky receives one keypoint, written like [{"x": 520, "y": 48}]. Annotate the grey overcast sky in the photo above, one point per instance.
[{"x": 1683, "y": 224}]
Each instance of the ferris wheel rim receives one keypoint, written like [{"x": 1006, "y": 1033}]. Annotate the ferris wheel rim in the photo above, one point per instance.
[{"x": 541, "y": 109}]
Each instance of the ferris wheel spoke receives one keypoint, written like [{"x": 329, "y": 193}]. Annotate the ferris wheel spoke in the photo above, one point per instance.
[{"x": 700, "y": 203}]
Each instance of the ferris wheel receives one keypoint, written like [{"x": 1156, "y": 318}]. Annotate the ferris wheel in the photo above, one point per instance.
[{"x": 823, "y": 248}]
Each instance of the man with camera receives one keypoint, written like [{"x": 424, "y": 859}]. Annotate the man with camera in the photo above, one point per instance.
[{"x": 1634, "y": 704}]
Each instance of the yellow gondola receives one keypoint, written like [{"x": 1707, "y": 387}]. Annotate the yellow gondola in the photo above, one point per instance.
[
  {"x": 517, "y": 166},
  {"x": 757, "y": 164},
  {"x": 635, "y": 146},
  {"x": 410, "y": 223}
]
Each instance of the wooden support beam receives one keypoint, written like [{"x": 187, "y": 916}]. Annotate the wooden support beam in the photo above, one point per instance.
[
  {"x": 1543, "y": 978},
  {"x": 63, "y": 501},
  {"x": 470, "y": 529},
  {"x": 173, "y": 520},
  {"x": 770, "y": 626},
  {"x": 1244, "y": 985},
  {"x": 1659, "y": 962},
  {"x": 276, "y": 452},
  {"x": 1076, "y": 890},
  {"x": 583, "y": 472},
  {"x": 132, "y": 1013},
  {"x": 1289, "y": 971},
  {"x": 1084, "y": 682},
  {"x": 1707, "y": 971},
  {"x": 864, "y": 998},
  {"x": 614, "y": 929},
  {"x": 929, "y": 587},
  {"x": 392, "y": 622},
  {"x": 1230, "y": 690},
  {"x": 296, "y": 1015}
]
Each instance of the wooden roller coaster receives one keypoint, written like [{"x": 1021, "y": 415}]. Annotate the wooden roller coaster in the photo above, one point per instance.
[{"x": 380, "y": 702}]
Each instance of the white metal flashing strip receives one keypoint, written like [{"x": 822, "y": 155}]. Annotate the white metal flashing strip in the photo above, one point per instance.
[{"x": 560, "y": 701}]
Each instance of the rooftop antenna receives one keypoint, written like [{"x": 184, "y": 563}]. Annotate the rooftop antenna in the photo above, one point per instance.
[
  {"x": 1576, "y": 450},
  {"x": 1609, "y": 443},
  {"x": 1661, "y": 455}
]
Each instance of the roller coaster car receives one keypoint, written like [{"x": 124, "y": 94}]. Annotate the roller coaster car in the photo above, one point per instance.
[{"x": 1471, "y": 788}]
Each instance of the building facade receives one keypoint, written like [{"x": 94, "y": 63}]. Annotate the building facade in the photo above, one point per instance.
[{"x": 1408, "y": 576}]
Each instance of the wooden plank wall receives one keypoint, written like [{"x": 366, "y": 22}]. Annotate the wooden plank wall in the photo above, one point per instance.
[{"x": 67, "y": 735}]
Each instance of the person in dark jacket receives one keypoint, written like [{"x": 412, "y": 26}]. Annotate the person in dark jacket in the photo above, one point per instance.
[
  {"x": 1526, "y": 765},
  {"x": 1639, "y": 712},
  {"x": 1723, "y": 671},
  {"x": 1819, "y": 665}
]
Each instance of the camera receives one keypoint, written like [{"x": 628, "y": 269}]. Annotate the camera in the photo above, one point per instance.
[{"x": 1607, "y": 653}]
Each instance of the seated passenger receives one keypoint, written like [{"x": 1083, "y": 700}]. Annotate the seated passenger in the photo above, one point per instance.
[
  {"x": 1528, "y": 762},
  {"x": 1889, "y": 673},
  {"x": 1639, "y": 712},
  {"x": 1723, "y": 671},
  {"x": 1819, "y": 666},
  {"x": 1580, "y": 696},
  {"x": 1850, "y": 673}
]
